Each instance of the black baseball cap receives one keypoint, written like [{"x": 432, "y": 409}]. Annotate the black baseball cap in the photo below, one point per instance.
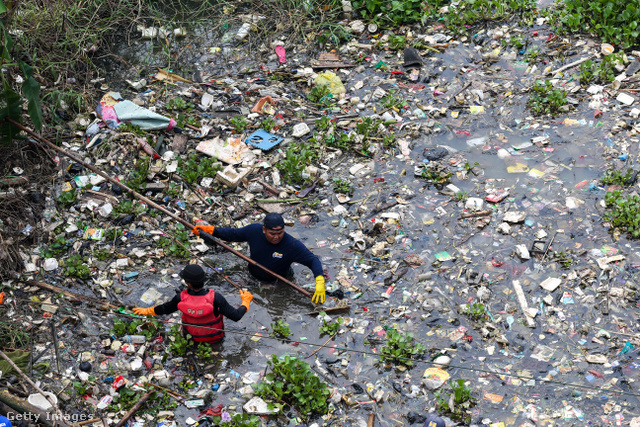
[
  {"x": 193, "y": 274},
  {"x": 273, "y": 220},
  {"x": 434, "y": 421}
]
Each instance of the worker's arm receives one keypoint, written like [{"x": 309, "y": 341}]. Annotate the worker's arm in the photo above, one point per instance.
[
  {"x": 243, "y": 234},
  {"x": 168, "y": 307},
  {"x": 221, "y": 306}
]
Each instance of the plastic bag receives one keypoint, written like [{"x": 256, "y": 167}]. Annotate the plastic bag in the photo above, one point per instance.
[{"x": 332, "y": 81}]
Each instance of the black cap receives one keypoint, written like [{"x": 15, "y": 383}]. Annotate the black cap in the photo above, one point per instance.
[
  {"x": 273, "y": 220},
  {"x": 193, "y": 274},
  {"x": 434, "y": 421}
]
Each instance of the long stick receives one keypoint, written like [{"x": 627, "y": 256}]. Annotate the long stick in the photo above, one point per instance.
[
  {"x": 56, "y": 290},
  {"x": 134, "y": 409},
  {"x": 157, "y": 206},
  {"x": 27, "y": 379},
  {"x": 573, "y": 64}
]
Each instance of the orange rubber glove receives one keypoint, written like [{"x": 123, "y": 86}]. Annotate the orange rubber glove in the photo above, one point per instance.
[
  {"x": 140, "y": 311},
  {"x": 206, "y": 228},
  {"x": 247, "y": 297},
  {"x": 1, "y": 297}
]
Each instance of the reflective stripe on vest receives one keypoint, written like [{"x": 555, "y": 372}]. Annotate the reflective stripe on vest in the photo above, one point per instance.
[{"x": 198, "y": 310}]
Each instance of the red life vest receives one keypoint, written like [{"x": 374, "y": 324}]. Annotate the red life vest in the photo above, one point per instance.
[{"x": 198, "y": 310}]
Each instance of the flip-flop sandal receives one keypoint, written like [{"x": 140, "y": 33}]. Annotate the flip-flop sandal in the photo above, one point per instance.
[{"x": 282, "y": 56}]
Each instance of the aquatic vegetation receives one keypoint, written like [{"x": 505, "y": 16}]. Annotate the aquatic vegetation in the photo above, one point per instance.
[
  {"x": 280, "y": 328},
  {"x": 545, "y": 99},
  {"x": 401, "y": 349},
  {"x": 293, "y": 382},
  {"x": 615, "y": 22},
  {"x": 456, "y": 403},
  {"x": 623, "y": 212},
  {"x": 618, "y": 177}
]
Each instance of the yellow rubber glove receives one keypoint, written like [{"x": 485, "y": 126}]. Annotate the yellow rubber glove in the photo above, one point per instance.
[
  {"x": 206, "y": 228},
  {"x": 319, "y": 296},
  {"x": 247, "y": 297},
  {"x": 140, "y": 311}
]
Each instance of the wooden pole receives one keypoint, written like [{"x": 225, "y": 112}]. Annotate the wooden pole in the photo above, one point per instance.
[{"x": 134, "y": 409}]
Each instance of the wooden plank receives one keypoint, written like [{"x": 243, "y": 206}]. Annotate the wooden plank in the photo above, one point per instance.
[{"x": 524, "y": 306}]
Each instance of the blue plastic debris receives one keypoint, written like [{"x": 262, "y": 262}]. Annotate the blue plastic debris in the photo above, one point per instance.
[
  {"x": 623, "y": 157},
  {"x": 263, "y": 140},
  {"x": 627, "y": 348}
]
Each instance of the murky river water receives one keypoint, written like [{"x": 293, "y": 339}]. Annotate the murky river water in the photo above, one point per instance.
[{"x": 548, "y": 181}]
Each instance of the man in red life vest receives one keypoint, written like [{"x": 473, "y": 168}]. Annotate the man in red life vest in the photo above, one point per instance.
[{"x": 202, "y": 309}]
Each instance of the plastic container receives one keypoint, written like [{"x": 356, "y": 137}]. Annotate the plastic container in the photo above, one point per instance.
[
  {"x": 243, "y": 31},
  {"x": 41, "y": 402},
  {"x": 134, "y": 339}
]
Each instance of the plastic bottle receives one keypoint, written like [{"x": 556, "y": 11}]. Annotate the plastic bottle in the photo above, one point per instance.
[
  {"x": 49, "y": 209},
  {"x": 134, "y": 339}
]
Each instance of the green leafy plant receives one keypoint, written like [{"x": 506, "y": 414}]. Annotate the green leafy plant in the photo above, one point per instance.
[
  {"x": 180, "y": 344},
  {"x": 80, "y": 388},
  {"x": 342, "y": 186},
  {"x": 172, "y": 190},
  {"x": 461, "y": 399},
  {"x": 128, "y": 127},
  {"x": 179, "y": 103},
  {"x": 237, "y": 420},
  {"x": 390, "y": 100},
  {"x": 401, "y": 349},
  {"x": 101, "y": 254},
  {"x": 141, "y": 326},
  {"x": 126, "y": 207},
  {"x": 187, "y": 383},
  {"x": 461, "y": 196},
  {"x": 320, "y": 95},
  {"x": 238, "y": 123},
  {"x": 545, "y": 99},
  {"x": 618, "y": 177},
  {"x": 617, "y": 23},
  {"x": 67, "y": 198},
  {"x": 397, "y": 42},
  {"x": 280, "y": 329},
  {"x": 396, "y": 13},
  {"x": 435, "y": 173},
  {"x": 472, "y": 12},
  {"x": 76, "y": 266},
  {"x": 194, "y": 168},
  {"x": 11, "y": 104},
  {"x": 623, "y": 212},
  {"x": 171, "y": 247},
  {"x": 564, "y": 259},
  {"x": 323, "y": 123},
  {"x": 298, "y": 157},
  {"x": 138, "y": 177},
  {"x": 204, "y": 353},
  {"x": 111, "y": 234},
  {"x": 532, "y": 55},
  {"x": 125, "y": 399},
  {"x": 57, "y": 247},
  {"x": 330, "y": 327},
  {"x": 293, "y": 382},
  {"x": 268, "y": 124},
  {"x": 470, "y": 168},
  {"x": 476, "y": 310}
]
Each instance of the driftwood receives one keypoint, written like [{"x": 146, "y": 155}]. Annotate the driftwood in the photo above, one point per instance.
[
  {"x": 329, "y": 310},
  {"x": 475, "y": 214},
  {"x": 134, "y": 409},
  {"x": 103, "y": 305},
  {"x": 18, "y": 180},
  {"x": 18, "y": 407}
]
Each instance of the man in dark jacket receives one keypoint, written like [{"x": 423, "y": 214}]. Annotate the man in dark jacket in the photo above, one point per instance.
[
  {"x": 271, "y": 247},
  {"x": 202, "y": 309}
]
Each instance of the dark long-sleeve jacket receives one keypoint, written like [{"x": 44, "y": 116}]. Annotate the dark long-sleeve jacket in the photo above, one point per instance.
[
  {"x": 277, "y": 258},
  {"x": 220, "y": 306}
]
